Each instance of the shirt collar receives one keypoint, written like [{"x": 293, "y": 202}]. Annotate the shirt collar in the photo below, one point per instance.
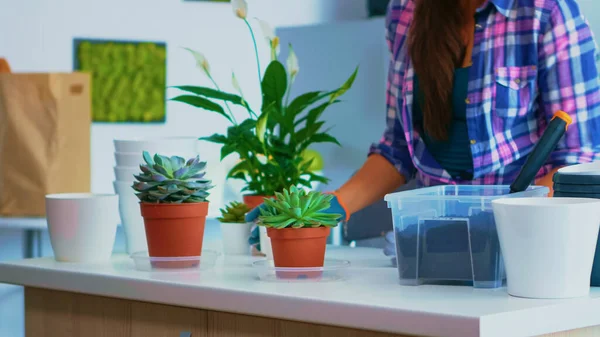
[{"x": 503, "y": 6}]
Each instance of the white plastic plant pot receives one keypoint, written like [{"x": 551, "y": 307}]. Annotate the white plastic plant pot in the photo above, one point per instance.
[
  {"x": 126, "y": 174},
  {"x": 131, "y": 217},
  {"x": 163, "y": 145},
  {"x": 235, "y": 238},
  {"x": 548, "y": 245},
  {"x": 82, "y": 226},
  {"x": 265, "y": 243}
]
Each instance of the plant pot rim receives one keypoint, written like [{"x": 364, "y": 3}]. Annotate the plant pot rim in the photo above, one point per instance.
[
  {"x": 298, "y": 233},
  {"x": 174, "y": 211}
]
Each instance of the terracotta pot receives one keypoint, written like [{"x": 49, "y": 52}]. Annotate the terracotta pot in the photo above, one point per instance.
[
  {"x": 299, "y": 247},
  {"x": 174, "y": 230},
  {"x": 253, "y": 201}
]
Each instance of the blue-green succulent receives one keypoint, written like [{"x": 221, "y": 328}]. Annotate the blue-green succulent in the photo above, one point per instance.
[{"x": 172, "y": 180}]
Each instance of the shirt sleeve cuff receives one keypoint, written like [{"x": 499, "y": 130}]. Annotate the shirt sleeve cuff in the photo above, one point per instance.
[{"x": 399, "y": 158}]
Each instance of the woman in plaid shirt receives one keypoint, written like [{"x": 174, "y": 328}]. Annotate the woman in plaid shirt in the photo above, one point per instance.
[{"x": 472, "y": 85}]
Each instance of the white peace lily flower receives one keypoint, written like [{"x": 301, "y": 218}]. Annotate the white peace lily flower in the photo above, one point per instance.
[
  {"x": 236, "y": 84},
  {"x": 272, "y": 39},
  {"x": 238, "y": 88},
  {"x": 240, "y": 8},
  {"x": 268, "y": 32},
  {"x": 292, "y": 63},
  {"x": 201, "y": 61}
]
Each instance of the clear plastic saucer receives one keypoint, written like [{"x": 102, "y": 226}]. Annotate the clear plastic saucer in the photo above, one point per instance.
[
  {"x": 332, "y": 270},
  {"x": 144, "y": 262}
]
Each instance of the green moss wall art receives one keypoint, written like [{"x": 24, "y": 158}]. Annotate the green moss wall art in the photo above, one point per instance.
[{"x": 128, "y": 79}]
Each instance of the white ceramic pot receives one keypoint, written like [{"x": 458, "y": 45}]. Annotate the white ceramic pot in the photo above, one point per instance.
[
  {"x": 126, "y": 174},
  {"x": 235, "y": 238},
  {"x": 548, "y": 245},
  {"x": 129, "y": 159},
  {"x": 82, "y": 226},
  {"x": 163, "y": 145},
  {"x": 131, "y": 217},
  {"x": 265, "y": 242},
  {"x": 134, "y": 159}
]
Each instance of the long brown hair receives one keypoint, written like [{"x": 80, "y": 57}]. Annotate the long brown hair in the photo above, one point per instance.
[{"x": 436, "y": 46}]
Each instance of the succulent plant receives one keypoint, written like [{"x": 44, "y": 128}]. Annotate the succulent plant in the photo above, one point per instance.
[
  {"x": 172, "y": 180},
  {"x": 235, "y": 212},
  {"x": 297, "y": 208}
]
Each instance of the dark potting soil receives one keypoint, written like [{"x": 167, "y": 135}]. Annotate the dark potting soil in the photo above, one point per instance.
[{"x": 441, "y": 250}]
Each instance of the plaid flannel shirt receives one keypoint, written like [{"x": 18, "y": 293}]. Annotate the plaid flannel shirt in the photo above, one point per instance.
[{"x": 530, "y": 59}]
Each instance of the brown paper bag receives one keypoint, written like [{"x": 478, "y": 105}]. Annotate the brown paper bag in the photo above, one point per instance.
[{"x": 45, "y": 124}]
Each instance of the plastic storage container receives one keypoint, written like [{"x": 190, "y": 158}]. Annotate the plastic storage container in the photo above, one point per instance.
[{"x": 447, "y": 234}]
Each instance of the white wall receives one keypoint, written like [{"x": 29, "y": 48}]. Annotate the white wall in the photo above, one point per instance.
[
  {"x": 359, "y": 119},
  {"x": 37, "y": 37}
]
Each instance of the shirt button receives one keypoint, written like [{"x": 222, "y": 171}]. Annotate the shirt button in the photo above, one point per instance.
[
  {"x": 478, "y": 26},
  {"x": 468, "y": 101},
  {"x": 517, "y": 81},
  {"x": 473, "y": 142}
]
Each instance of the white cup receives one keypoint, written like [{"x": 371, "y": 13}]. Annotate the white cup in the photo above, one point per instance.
[
  {"x": 131, "y": 217},
  {"x": 548, "y": 245},
  {"x": 82, "y": 226}
]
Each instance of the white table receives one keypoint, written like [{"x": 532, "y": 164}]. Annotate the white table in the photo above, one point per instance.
[
  {"x": 32, "y": 229},
  {"x": 229, "y": 300}
]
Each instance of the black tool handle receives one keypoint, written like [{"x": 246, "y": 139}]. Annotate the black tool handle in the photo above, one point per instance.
[{"x": 542, "y": 150}]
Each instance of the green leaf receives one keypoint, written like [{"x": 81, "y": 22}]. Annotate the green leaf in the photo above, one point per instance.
[
  {"x": 302, "y": 102},
  {"x": 148, "y": 158},
  {"x": 322, "y": 138},
  {"x": 274, "y": 84},
  {"x": 261, "y": 124},
  {"x": 226, "y": 150},
  {"x": 212, "y": 93},
  {"x": 345, "y": 87},
  {"x": 202, "y": 103},
  {"x": 247, "y": 125},
  {"x": 215, "y": 138},
  {"x": 307, "y": 132},
  {"x": 241, "y": 167},
  {"x": 239, "y": 175}
]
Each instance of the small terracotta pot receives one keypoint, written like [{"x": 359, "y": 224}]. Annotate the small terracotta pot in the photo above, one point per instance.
[
  {"x": 299, "y": 247},
  {"x": 253, "y": 201},
  {"x": 174, "y": 230}
]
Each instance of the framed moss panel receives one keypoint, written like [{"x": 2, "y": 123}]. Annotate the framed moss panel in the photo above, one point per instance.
[{"x": 128, "y": 79}]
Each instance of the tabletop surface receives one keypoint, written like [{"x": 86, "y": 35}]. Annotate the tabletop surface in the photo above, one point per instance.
[{"x": 368, "y": 298}]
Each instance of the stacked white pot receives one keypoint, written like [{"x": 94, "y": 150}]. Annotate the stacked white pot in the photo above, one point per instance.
[{"x": 128, "y": 156}]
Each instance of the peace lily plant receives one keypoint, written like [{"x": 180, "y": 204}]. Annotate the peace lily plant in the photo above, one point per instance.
[{"x": 273, "y": 141}]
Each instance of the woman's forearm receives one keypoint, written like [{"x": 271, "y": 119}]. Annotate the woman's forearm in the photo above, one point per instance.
[{"x": 376, "y": 178}]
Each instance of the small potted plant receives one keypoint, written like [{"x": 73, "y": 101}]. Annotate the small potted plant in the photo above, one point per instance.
[
  {"x": 173, "y": 200},
  {"x": 298, "y": 226},
  {"x": 235, "y": 231},
  {"x": 272, "y": 140}
]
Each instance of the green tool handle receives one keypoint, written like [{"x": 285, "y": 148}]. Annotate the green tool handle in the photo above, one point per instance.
[{"x": 542, "y": 150}]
